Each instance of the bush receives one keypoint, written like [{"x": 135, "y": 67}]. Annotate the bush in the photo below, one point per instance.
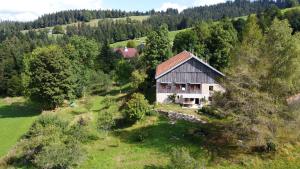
[
  {"x": 59, "y": 156},
  {"x": 181, "y": 159},
  {"x": 52, "y": 143},
  {"x": 137, "y": 107},
  {"x": 141, "y": 136},
  {"x": 58, "y": 30},
  {"x": 105, "y": 121}
]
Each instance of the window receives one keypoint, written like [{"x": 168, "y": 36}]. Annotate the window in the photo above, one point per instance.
[
  {"x": 163, "y": 86},
  {"x": 183, "y": 87},
  {"x": 210, "y": 99},
  {"x": 211, "y": 88}
]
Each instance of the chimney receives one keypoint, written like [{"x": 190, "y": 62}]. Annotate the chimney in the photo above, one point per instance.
[{"x": 126, "y": 49}]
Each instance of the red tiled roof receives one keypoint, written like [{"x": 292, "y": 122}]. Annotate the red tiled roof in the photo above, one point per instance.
[
  {"x": 169, "y": 64},
  {"x": 127, "y": 53}
]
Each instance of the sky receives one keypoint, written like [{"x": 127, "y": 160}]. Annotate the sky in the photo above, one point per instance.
[{"x": 28, "y": 10}]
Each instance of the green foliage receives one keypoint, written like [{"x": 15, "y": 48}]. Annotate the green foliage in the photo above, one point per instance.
[
  {"x": 137, "y": 78},
  {"x": 181, "y": 159},
  {"x": 124, "y": 70},
  {"x": 58, "y": 30},
  {"x": 221, "y": 42},
  {"x": 294, "y": 19},
  {"x": 52, "y": 143},
  {"x": 131, "y": 44},
  {"x": 158, "y": 47},
  {"x": 284, "y": 57},
  {"x": 292, "y": 3},
  {"x": 11, "y": 65},
  {"x": 186, "y": 40},
  {"x": 265, "y": 72},
  {"x": 266, "y": 17},
  {"x": 84, "y": 51},
  {"x": 105, "y": 120},
  {"x": 136, "y": 107},
  {"x": 98, "y": 82},
  {"x": 107, "y": 60},
  {"x": 50, "y": 77},
  {"x": 212, "y": 112}
]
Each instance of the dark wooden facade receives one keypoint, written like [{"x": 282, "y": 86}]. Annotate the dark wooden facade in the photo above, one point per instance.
[{"x": 189, "y": 75}]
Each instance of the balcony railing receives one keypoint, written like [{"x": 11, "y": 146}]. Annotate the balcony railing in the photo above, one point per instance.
[{"x": 175, "y": 88}]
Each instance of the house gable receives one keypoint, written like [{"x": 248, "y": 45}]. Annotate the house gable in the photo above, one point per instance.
[{"x": 191, "y": 71}]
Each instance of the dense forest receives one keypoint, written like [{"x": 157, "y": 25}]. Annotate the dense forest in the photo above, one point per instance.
[{"x": 124, "y": 30}]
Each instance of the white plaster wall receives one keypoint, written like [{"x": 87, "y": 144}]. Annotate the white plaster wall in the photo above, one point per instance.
[{"x": 163, "y": 97}]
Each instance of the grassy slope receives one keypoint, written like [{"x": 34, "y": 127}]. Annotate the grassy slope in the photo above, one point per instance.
[
  {"x": 141, "y": 40},
  {"x": 16, "y": 117},
  {"x": 120, "y": 150}
]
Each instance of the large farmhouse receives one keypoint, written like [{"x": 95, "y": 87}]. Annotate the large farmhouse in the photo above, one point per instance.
[{"x": 187, "y": 80}]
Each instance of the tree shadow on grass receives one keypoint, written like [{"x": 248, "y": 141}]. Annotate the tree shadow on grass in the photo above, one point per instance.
[
  {"x": 165, "y": 136},
  {"x": 20, "y": 109}
]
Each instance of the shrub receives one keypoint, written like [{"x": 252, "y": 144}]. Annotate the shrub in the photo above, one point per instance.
[
  {"x": 137, "y": 107},
  {"x": 58, "y": 30},
  {"x": 181, "y": 159},
  {"x": 105, "y": 121},
  {"x": 141, "y": 136},
  {"x": 52, "y": 143},
  {"x": 59, "y": 156}
]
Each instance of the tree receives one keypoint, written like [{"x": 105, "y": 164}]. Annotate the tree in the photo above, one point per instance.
[
  {"x": 124, "y": 70},
  {"x": 186, "y": 40},
  {"x": 107, "y": 59},
  {"x": 294, "y": 19},
  {"x": 51, "y": 79},
  {"x": 292, "y": 3},
  {"x": 137, "y": 78},
  {"x": 221, "y": 42},
  {"x": 136, "y": 107},
  {"x": 58, "y": 30},
  {"x": 284, "y": 57},
  {"x": 12, "y": 52},
  {"x": 85, "y": 52},
  {"x": 158, "y": 47},
  {"x": 82, "y": 53},
  {"x": 251, "y": 45}
]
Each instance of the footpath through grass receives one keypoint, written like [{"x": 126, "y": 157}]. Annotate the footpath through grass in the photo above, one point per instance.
[{"x": 16, "y": 116}]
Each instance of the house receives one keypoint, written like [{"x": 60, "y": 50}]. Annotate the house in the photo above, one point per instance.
[
  {"x": 127, "y": 53},
  {"x": 187, "y": 80}
]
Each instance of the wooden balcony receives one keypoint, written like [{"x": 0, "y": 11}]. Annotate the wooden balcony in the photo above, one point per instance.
[{"x": 179, "y": 88}]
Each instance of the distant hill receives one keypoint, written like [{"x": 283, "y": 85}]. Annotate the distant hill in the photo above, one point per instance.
[{"x": 172, "y": 34}]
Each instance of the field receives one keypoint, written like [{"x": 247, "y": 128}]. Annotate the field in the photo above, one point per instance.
[
  {"x": 123, "y": 148},
  {"x": 16, "y": 116},
  {"x": 142, "y": 40}
]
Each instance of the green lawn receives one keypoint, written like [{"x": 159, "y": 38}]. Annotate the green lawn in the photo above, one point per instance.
[
  {"x": 16, "y": 116},
  {"x": 142, "y": 40},
  {"x": 121, "y": 149}
]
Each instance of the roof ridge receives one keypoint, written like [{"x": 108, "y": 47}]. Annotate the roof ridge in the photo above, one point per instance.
[{"x": 179, "y": 59}]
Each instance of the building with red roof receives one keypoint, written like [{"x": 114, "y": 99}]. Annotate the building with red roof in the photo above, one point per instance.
[
  {"x": 189, "y": 78},
  {"x": 127, "y": 53}
]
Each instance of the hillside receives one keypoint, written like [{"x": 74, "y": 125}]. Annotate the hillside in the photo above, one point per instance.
[
  {"x": 93, "y": 22},
  {"x": 172, "y": 34}
]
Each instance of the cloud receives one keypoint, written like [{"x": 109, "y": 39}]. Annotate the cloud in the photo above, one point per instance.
[
  {"x": 27, "y": 10},
  {"x": 167, "y": 5},
  {"x": 207, "y": 2}
]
